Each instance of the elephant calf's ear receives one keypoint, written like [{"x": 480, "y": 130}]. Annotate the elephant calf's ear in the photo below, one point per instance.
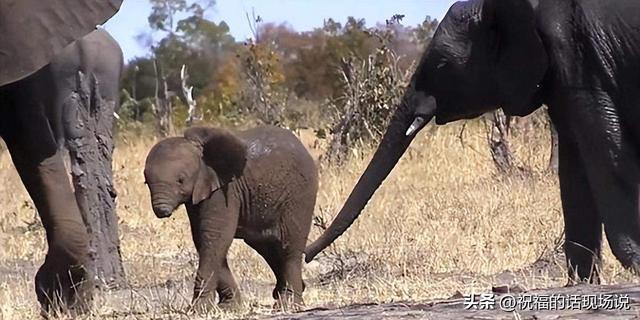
[
  {"x": 206, "y": 183},
  {"x": 225, "y": 153}
]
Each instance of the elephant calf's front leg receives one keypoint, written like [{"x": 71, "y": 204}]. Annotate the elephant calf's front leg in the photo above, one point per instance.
[
  {"x": 214, "y": 239},
  {"x": 208, "y": 277},
  {"x": 219, "y": 278},
  {"x": 204, "y": 291},
  {"x": 227, "y": 288}
]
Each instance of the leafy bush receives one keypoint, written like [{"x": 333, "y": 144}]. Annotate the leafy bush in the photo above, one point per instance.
[{"x": 371, "y": 90}]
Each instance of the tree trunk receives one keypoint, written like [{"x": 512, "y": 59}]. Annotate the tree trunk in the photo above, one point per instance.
[
  {"x": 162, "y": 107},
  {"x": 88, "y": 136},
  {"x": 499, "y": 144}
]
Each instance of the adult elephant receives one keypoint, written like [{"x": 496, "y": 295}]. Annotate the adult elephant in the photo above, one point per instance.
[
  {"x": 32, "y": 33},
  {"x": 579, "y": 57}
]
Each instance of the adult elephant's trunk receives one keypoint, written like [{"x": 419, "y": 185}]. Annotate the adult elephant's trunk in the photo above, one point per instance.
[{"x": 415, "y": 111}]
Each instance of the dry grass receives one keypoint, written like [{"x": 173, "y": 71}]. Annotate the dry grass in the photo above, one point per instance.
[{"x": 441, "y": 215}]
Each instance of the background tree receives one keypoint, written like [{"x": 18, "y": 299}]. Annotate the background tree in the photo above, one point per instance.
[
  {"x": 276, "y": 71},
  {"x": 184, "y": 37},
  {"x": 341, "y": 78}
]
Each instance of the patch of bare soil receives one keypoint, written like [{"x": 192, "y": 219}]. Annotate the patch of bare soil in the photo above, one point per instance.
[
  {"x": 510, "y": 295},
  {"x": 620, "y": 308},
  {"x": 508, "y": 299}
]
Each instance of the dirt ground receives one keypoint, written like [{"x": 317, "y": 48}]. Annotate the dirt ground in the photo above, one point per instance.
[
  {"x": 619, "y": 301},
  {"x": 507, "y": 300},
  {"x": 458, "y": 308},
  {"x": 442, "y": 226}
]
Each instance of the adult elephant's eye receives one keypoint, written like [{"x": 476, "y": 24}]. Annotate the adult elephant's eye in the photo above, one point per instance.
[
  {"x": 181, "y": 180},
  {"x": 442, "y": 63}
]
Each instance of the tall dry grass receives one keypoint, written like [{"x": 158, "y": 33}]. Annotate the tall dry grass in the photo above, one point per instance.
[{"x": 442, "y": 222}]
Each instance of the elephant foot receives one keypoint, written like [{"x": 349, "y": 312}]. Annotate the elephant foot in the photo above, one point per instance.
[
  {"x": 633, "y": 267},
  {"x": 203, "y": 303},
  {"x": 230, "y": 300},
  {"x": 63, "y": 292},
  {"x": 577, "y": 281},
  {"x": 235, "y": 304},
  {"x": 288, "y": 302},
  {"x": 574, "y": 278}
]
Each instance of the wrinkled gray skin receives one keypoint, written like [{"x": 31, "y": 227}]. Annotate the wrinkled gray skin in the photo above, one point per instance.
[
  {"x": 32, "y": 34},
  {"x": 259, "y": 185},
  {"x": 579, "y": 57},
  {"x": 97, "y": 54}
]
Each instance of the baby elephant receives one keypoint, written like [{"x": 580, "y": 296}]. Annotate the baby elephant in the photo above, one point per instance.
[{"x": 259, "y": 185}]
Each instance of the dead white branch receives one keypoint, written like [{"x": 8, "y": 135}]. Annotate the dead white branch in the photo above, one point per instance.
[{"x": 187, "y": 92}]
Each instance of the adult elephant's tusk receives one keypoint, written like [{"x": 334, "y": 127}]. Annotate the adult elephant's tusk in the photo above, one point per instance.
[{"x": 415, "y": 126}]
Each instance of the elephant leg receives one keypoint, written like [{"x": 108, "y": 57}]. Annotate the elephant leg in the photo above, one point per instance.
[
  {"x": 288, "y": 273},
  {"x": 610, "y": 157},
  {"x": 582, "y": 224},
  {"x": 619, "y": 204},
  {"x": 215, "y": 234},
  {"x": 227, "y": 288},
  {"x": 208, "y": 276},
  {"x": 291, "y": 296},
  {"x": 62, "y": 281},
  {"x": 292, "y": 247},
  {"x": 287, "y": 267},
  {"x": 272, "y": 255}
]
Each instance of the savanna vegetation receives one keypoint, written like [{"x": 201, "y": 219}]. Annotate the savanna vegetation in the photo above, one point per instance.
[{"x": 448, "y": 220}]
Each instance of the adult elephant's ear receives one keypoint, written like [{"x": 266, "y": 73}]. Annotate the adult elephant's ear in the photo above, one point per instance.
[
  {"x": 225, "y": 153},
  {"x": 522, "y": 59},
  {"x": 32, "y": 32}
]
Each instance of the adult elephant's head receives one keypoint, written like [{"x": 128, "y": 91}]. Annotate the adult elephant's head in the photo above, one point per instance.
[
  {"x": 484, "y": 55},
  {"x": 32, "y": 32}
]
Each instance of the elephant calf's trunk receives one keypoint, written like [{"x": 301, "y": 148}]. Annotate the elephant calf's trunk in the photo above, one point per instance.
[{"x": 161, "y": 206}]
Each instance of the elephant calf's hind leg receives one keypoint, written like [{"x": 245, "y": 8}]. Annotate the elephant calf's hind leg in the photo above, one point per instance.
[{"x": 290, "y": 295}]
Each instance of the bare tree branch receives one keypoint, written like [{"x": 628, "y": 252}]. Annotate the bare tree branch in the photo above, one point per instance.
[
  {"x": 187, "y": 92},
  {"x": 162, "y": 107}
]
